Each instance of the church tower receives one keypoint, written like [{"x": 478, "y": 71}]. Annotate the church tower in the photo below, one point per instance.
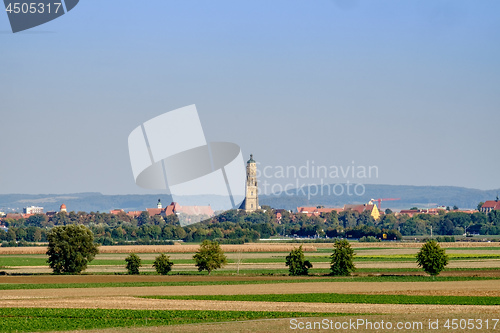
[{"x": 251, "y": 199}]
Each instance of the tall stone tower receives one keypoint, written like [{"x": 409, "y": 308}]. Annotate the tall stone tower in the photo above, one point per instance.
[{"x": 251, "y": 198}]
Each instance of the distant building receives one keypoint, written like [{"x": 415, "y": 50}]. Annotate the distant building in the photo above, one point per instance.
[
  {"x": 135, "y": 213},
  {"x": 411, "y": 212},
  {"x": 156, "y": 211},
  {"x": 490, "y": 205},
  {"x": 33, "y": 210},
  {"x": 14, "y": 216},
  {"x": 374, "y": 212},
  {"x": 316, "y": 211},
  {"x": 62, "y": 209},
  {"x": 2, "y": 214},
  {"x": 251, "y": 201},
  {"x": 186, "y": 214}
]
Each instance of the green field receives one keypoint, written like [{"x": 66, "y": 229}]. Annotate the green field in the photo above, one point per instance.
[
  {"x": 390, "y": 278},
  {"x": 40, "y": 320},
  {"x": 344, "y": 298},
  {"x": 102, "y": 260}
]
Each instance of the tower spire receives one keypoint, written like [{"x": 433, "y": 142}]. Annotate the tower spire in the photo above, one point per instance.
[{"x": 251, "y": 202}]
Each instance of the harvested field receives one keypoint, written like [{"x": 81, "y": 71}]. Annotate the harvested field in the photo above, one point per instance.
[
  {"x": 160, "y": 304},
  {"x": 178, "y": 248},
  {"x": 249, "y": 247}
]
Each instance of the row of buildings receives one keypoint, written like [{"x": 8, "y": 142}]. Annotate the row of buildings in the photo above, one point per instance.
[
  {"x": 172, "y": 209},
  {"x": 317, "y": 211},
  {"x": 30, "y": 211},
  {"x": 487, "y": 207}
]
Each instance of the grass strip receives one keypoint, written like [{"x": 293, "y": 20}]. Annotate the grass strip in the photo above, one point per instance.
[
  {"x": 388, "y": 278},
  {"x": 14, "y": 261},
  {"x": 344, "y": 298},
  {"x": 40, "y": 320}
]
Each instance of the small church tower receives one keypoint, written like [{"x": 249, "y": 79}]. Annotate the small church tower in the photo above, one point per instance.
[
  {"x": 251, "y": 199},
  {"x": 158, "y": 205}
]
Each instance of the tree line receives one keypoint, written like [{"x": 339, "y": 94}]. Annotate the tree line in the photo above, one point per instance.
[{"x": 238, "y": 227}]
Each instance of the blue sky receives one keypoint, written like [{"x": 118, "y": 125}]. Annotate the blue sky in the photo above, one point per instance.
[{"x": 412, "y": 87}]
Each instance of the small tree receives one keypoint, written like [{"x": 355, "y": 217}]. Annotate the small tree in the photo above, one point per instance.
[
  {"x": 71, "y": 248},
  {"x": 297, "y": 265},
  {"x": 162, "y": 264},
  {"x": 133, "y": 263},
  {"x": 342, "y": 258},
  {"x": 432, "y": 258},
  {"x": 209, "y": 256}
]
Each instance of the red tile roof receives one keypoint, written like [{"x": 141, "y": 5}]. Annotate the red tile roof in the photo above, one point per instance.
[
  {"x": 193, "y": 210},
  {"x": 310, "y": 211},
  {"x": 14, "y": 216},
  {"x": 154, "y": 211},
  {"x": 306, "y": 209},
  {"x": 134, "y": 213},
  {"x": 492, "y": 204},
  {"x": 360, "y": 208}
]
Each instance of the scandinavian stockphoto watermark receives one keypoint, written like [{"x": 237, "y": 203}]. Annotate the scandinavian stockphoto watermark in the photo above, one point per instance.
[
  {"x": 311, "y": 179},
  {"x": 28, "y": 14},
  {"x": 170, "y": 152}
]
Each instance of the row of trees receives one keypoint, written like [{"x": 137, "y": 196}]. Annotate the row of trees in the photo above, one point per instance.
[
  {"x": 162, "y": 264},
  {"x": 72, "y": 247},
  {"x": 431, "y": 257}
]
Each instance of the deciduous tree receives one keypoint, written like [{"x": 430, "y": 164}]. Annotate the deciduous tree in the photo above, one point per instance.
[
  {"x": 209, "y": 256},
  {"x": 71, "y": 248},
  {"x": 162, "y": 264},
  {"x": 133, "y": 264},
  {"x": 342, "y": 258},
  {"x": 432, "y": 258},
  {"x": 297, "y": 265}
]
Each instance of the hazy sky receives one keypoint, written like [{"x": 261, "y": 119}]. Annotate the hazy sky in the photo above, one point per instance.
[{"x": 411, "y": 87}]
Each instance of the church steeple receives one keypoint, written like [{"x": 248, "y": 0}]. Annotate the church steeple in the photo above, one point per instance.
[
  {"x": 251, "y": 195},
  {"x": 158, "y": 205}
]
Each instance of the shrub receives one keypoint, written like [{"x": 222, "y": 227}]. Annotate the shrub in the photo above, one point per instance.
[
  {"x": 297, "y": 263},
  {"x": 369, "y": 239},
  {"x": 342, "y": 258},
  {"x": 432, "y": 258},
  {"x": 445, "y": 239},
  {"x": 133, "y": 264},
  {"x": 162, "y": 264},
  {"x": 71, "y": 247},
  {"x": 209, "y": 256}
]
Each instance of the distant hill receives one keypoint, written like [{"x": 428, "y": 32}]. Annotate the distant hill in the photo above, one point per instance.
[
  {"x": 87, "y": 202},
  {"x": 420, "y": 196}
]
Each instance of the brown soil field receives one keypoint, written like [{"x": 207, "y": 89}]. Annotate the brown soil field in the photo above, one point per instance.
[
  {"x": 126, "y": 298},
  {"x": 133, "y": 303},
  {"x": 38, "y": 279},
  {"x": 466, "y": 288}
]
